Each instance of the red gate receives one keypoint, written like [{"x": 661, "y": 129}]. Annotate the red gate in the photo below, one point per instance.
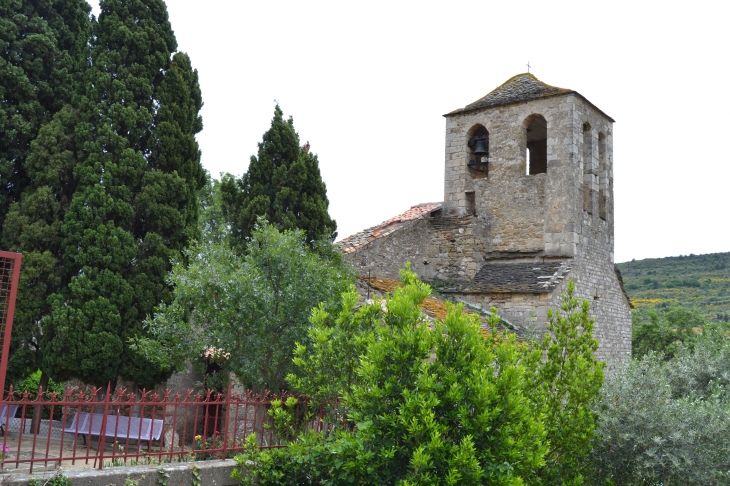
[{"x": 9, "y": 275}]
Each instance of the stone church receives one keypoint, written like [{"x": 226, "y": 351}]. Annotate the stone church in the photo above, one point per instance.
[{"x": 528, "y": 205}]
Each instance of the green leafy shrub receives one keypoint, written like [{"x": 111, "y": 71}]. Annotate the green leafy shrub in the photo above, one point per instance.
[
  {"x": 566, "y": 382},
  {"x": 313, "y": 459},
  {"x": 682, "y": 282},
  {"x": 337, "y": 340},
  {"x": 437, "y": 403},
  {"x": 426, "y": 405},
  {"x": 30, "y": 384}
]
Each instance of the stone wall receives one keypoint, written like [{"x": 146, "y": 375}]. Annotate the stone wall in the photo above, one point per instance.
[
  {"x": 597, "y": 282},
  {"x": 565, "y": 214},
  {"x": 527, "y": 313},
  {"x": 385, "y": 256},
  {"x": 438, "y": 248},
  {"x": 524, "y": 213},
  {"x": 536, "y": 214},
  {"x": 593, "y": 270}
]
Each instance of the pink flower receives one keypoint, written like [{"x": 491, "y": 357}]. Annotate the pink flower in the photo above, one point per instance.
[{"x": 217, "y": 432}]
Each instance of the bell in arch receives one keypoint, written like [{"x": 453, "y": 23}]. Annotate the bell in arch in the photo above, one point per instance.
[{"x": 480, "y": 150}]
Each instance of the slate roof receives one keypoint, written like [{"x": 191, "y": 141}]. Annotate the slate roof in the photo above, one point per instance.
[
  {"x": 387, "y": 227},
  {"x": 528, "y": 278},
  {"x": 522, "y": 87}
]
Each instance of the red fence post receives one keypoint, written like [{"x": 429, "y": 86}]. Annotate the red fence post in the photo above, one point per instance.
[
  {"x": 88, "y": 416},
  {"x": 224, "y": 432},
  {"x": 9, "y": 276},
  {"x": 101, "y": 443}
]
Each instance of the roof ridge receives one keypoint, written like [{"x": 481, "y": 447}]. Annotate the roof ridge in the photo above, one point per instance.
[
  {"x": 520, "y": 87},
  {"x": 510, "y": 80}
]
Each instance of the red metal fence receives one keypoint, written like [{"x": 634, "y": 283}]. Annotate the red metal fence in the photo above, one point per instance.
[
  {"x": 9, "y": 276},
  {"x": 98, "y": 428}
]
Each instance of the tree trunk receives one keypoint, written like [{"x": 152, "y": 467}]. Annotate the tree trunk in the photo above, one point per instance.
[{"x": 42, "y": 388}]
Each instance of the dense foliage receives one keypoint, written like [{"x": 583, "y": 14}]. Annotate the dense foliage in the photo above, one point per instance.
[
  {"x": 111, "y": 200},
  {"x": 438, "y": 403},
  {"x": 30, "y": 385},
  {"x": 337, "y": 339},
  {"x": 666, "y": 330},
  {"x": 666, "y": 421},
  {"x": 254, "y": 307},
  {"x": 42, "y": 51},
  {"x": 283, "y": 184},
  {"x": 566, "y": 384},
  {"x": 690, "y": 281}
]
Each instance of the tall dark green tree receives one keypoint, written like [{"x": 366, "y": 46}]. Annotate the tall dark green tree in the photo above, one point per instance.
[
  {"x": 283, "y": 184},
  {"x": 130, "y": 206},
  {"x": 42, "y": 54},
  {"x": 33, "y": 227},
  {"x": 42, "y": 50}
]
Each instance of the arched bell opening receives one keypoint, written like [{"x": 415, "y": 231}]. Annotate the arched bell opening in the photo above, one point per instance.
[
  {"x": 478, "y": 151},
  {"x": 589, "y": 169},
  {"x": 535, "y": 127},
  {"x": 602, "y": 177}
]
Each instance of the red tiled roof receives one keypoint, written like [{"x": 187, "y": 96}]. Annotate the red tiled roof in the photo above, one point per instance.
[{"x": 354, "y": 242}]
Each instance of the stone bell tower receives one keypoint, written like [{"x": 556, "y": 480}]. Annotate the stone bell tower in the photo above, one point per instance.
[
  {"x": 545, "y": 184},
  {"x": 533, "y": 166},
  {"x": 528, "y": 205}
]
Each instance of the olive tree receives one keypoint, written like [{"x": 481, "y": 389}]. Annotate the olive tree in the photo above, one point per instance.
[
  {"x": 667, "y": 421},
  {"x": 253, "y": 307}
]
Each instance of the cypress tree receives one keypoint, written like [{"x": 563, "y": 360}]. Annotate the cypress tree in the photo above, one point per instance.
[
  {"x": 42, "y": 50},
  {"x": 128, "y": 154},
  {"x": 283, "y": 184},
  {"x": 33, "y": 227}
]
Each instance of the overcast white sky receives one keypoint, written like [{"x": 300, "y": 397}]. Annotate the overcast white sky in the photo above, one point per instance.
[{"x": 368, "y": 82}]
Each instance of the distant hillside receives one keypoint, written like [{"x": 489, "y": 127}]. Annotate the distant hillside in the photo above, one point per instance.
[{"x": 701, "y": 281}]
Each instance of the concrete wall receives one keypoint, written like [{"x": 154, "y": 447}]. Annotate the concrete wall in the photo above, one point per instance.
[{"x": 212, "y": 473}]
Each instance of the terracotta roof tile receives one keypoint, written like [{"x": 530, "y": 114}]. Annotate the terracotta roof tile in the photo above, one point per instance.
[{"x": 387, "y": 227}]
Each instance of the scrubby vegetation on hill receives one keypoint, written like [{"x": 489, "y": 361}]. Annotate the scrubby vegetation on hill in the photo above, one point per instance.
[{"x": 699, "y": 281}]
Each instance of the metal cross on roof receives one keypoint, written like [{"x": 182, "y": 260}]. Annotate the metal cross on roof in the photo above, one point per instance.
[{"x": 528, "y": 66}]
